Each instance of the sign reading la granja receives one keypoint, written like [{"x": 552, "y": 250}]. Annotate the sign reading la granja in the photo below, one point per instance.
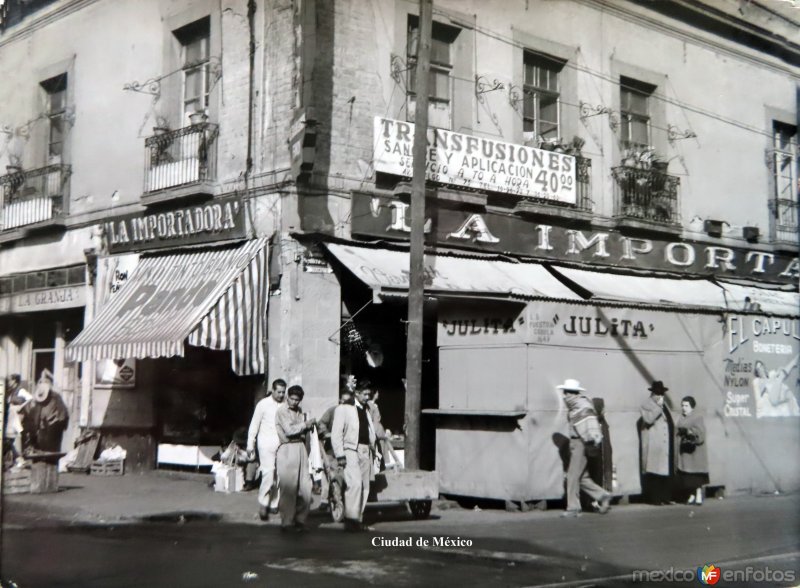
[
  {"x": 477, "y": 162},
  {"x": 213, "y": 221}
]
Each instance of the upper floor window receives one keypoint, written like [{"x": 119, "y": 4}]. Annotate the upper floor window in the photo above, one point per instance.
[
  {"x": 541, "y": 109},
  {"x": 440, "y": 87},
  {"x": 635, "y": 100},
  {"x": 786, "y": 164},
  {"x": 194, "y": 40},
  {"x": 56, "y": 111}
]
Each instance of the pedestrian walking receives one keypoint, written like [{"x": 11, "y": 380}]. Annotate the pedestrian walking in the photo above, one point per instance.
[
  {"x": 294, "y": 478},
  {"x": 17, "y": 398},
  {"x": 692, "y": 451},
  {"x": 585, "y": 437},
  {"x": 263, "y": 434},
  {"x": 353, "y": 441},
  {"x": 657, "y": 446},
  {"x": 45, "y": 419}
]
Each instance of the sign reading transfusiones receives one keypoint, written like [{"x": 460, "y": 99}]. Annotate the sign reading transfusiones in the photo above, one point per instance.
[{"x": 213, "y": 221}]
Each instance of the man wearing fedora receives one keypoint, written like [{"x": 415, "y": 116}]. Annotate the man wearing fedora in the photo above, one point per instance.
[
  {"x": 657, "y": 441},
  {"x": 584, "y": 435}
]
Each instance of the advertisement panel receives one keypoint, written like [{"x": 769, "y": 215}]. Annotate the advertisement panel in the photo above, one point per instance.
[
  {"x": 760, "y": 367},
  {"x": 479, "y": 163}
]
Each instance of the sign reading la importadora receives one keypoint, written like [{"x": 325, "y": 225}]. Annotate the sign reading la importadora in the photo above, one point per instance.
[{"x": 479, "y": 163}]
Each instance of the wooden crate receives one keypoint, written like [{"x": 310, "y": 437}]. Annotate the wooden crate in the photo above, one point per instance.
[
  {"x": 108, "y": 468},
  {"x": 16, "y": 481}
]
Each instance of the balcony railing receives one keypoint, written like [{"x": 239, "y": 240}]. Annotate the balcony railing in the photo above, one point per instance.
[
  {"x": 786, "y": 225},
  {"x": 34, "y": 196},
  {"x": 181, "y": 158},
  {"x": 584, "y": 184},
  {"x": 647, "y": 194}
]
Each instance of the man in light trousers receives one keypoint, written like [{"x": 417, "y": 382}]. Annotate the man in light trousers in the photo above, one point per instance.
[
  {"x": 264, "y": 435},
  {"x": 585, "y": 435},
  {"x": 353, "y": 441}
]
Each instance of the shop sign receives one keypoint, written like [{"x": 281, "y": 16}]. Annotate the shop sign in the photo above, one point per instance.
[
  {"x": 480, "y": 163},
  {"x": 220, "y": 219},
  {"x": 40, "y": 300},
  {"x": 314, "y": 262},
  {"x": 379, "y": 216},
  {"x": 571, "y": 325},
  {"x": 760, "y": 363},
  {"x": 115, "y": 373}
]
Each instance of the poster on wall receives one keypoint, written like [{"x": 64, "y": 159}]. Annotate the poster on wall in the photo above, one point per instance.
[
  {"x": 115, "y": 373},
  {"x": 761, "y": 367}
]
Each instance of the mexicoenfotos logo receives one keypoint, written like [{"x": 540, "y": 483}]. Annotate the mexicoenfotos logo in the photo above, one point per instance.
[{"x": 709, "y": 574}]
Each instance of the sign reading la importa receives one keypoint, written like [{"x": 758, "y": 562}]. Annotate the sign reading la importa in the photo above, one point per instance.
[
  {"x": 212, "y": 221},
  {"x": 476, "y": 162}
]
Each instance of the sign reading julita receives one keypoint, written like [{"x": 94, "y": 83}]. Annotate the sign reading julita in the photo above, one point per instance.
[
  {"x": 477, "y": 162},
  {"x": 213, "y": 221}
]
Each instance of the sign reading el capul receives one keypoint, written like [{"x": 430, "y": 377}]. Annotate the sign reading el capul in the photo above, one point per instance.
[
  {"x": 219, "y": 219},
  {"x": 477, "y": 162}
]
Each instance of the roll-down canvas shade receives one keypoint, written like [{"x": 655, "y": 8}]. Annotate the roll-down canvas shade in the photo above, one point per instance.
[
  {"x": 647, "y": 290},
  {"x": 744, "y": 298},
  {"x": 386, "y": 272},
  {"x": 213, "y": 298}
]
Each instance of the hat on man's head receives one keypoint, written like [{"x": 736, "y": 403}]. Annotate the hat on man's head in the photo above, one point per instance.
[
  {"x": 658, "y": 387},
  {"x": 571, "y": 385}
]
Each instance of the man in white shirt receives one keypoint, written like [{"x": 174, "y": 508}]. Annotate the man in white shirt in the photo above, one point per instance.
[{"x": 263, "y": 434}]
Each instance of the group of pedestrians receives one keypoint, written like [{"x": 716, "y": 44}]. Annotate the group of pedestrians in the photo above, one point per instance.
[
  {"x": 674, "y": 457},
  {"x": 34, "y": 423},
  {"x": 674, "y": 453},
  {"x": 282, "y": 434}
]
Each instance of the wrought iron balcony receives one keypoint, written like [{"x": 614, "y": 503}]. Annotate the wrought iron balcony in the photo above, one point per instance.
[
  {"x": 646, "y": 194},
  {"x": 34, "y": 196},
  {"x": 786, "y": 217},
  {"x": 182, "y": 161}
]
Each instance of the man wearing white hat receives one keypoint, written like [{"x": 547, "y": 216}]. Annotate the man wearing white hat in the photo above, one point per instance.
[{"x": 584, "y": 432}]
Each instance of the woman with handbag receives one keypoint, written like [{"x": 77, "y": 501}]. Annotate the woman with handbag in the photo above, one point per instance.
[{"x": 692, "y": 452}]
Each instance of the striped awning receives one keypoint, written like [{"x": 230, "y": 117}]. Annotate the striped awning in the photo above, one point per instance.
[{"x": 214, "y": 298}]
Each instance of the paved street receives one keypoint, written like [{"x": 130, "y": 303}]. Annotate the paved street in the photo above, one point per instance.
[{"x": 224, "y": 546}]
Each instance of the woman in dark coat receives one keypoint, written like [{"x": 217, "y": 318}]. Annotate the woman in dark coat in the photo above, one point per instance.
[{"x": 692, "y": 452}]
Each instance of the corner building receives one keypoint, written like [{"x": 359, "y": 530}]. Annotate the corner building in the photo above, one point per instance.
[{"x": 604, "y": 203}]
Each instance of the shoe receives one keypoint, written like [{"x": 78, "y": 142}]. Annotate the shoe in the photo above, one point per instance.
[
  {"x": 691, "y": 499},
  {"x": 571, "y": 514},
  {"x": 287, "y": 529},
  {"x": 263, "y": 513},
  {"x": 366, "y": 528},
  {"x": 353, "y": 526},
  {"x": 605, "y": 504},
  {"x": 300, "y": 528},
  {"x": 273, "y": 510}
]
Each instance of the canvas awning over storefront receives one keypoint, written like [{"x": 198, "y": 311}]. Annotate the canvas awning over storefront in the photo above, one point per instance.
[
  {"x": 386, "y": 272},
  {"x": 608, "y": 287},
  {"x": 212, "y": 298},
  {"x": 744, "y": 298}
]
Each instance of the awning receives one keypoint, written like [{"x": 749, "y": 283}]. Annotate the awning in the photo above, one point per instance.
[
  {"x": 741, "y": 298},
  {"x": 213, "y": 298},
  {"x": 610, "y": 287},
  {"x": 387, "y": 272}
]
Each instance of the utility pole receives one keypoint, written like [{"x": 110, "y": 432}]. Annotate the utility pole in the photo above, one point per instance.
[{"x": 416, "y": 279}]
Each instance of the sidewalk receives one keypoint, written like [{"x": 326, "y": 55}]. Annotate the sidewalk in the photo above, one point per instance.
[{"x": 131, "y": 498}]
